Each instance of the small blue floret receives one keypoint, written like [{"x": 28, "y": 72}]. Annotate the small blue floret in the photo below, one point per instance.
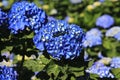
[{"x": 7, "y": 73}]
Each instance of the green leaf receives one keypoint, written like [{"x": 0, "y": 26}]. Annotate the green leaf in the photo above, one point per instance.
[
  {"x": 90, "y": 63},
  {"x": 7, "y": 48},
  {"x": 36, "y": 65},
  {"x": 64, "y": 77},
  {"x": 77, "y": 71},
  {"x": 44, "y": 60},
  {"x": 116, "y": 72},
  {"x": 94, "y": 76},
  {"x": 72, "y": 78},
  {"x": 52, "y": 68},
  {"x": 106, "y": 43}
]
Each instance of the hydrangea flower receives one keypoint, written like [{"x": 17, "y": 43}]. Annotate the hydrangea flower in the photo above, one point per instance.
[
  {"x": 104, "y": 60},
  {"x": 3, "y": 18},
  {"x": 75, "y": 1},
  {"x": 24, "y": 14},
  {"x": 113, "y": 32},
  {"x": 5, "y": 3},
  {"x": 117, "y": 36},
  {"x": 93, "y": 38},
  {"x": 8, "y": 55},
  {"x": 101, "y": 70},
  {"x": 50, "y": 18},
  {"x": 105, "y": 21},
  {"x": 101, "y": 1},
  {"x": 7, "y": 73},
  {"x": 60, "y": 39},
  {"x": 115, "y": 62}
]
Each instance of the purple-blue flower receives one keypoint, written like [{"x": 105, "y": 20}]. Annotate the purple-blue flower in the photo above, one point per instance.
[
  {"x": 7, "y": 73},
  {"x": 101, "y": 70},
  {"x": 101, "y": 1},
  {"x": 24, "y": 14},
  {"x": 93, "y": 37},
  {"x": 3, "y": 18},
  {"x": 115, "y": 62},
  {"x": 60, "y": 39},
  {"x": 105, "y": 21}
]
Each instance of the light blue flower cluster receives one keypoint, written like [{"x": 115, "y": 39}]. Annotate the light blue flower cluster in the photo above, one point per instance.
[
  {"x": 60, "y": 39},
  {"x": 114, "y": 32},
  {"x": 117, "y": 36},
  {"x": 3, "y": 18},
  {"x": 115, "y": 62},
  {"x": 93, "y": 37},
  {"x": 5, "y": 3},
  {"x": 24, "y": 14},
  {"x": 105, "y": 21},
  {"x": 75, "y": 1},
  {"x": 101, "y": 70},
  {"x": 7, "y": 73}
]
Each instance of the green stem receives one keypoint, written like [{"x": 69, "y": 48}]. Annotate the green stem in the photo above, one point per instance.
[{"x": 23, "y": 58}]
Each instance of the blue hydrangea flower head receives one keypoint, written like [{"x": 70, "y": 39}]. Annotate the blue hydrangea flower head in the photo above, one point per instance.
[
  {"x": 60, "y": 39},
  {"x": 93, "y": 37},
  {"x": 7, "y": 73},
  {"x": 114, "y": 32},
  {"x": 3, "y": 18},
  {"x": 101, "y": 70},
  {"x": 24, "y": 14},
  {"x": 105, "y": 21},
  {"x": 115, "y": 62}
]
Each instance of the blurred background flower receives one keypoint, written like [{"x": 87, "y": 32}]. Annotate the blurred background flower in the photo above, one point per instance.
[
  {"x": 115, "y": 62},
  {"x": 113, "y": 32},
  {"x": 105, "y": 21},
  {"x": 5, "y": 3},
  {"x": 75, "y": 1},
  {"x": 93, "y": 37}
]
